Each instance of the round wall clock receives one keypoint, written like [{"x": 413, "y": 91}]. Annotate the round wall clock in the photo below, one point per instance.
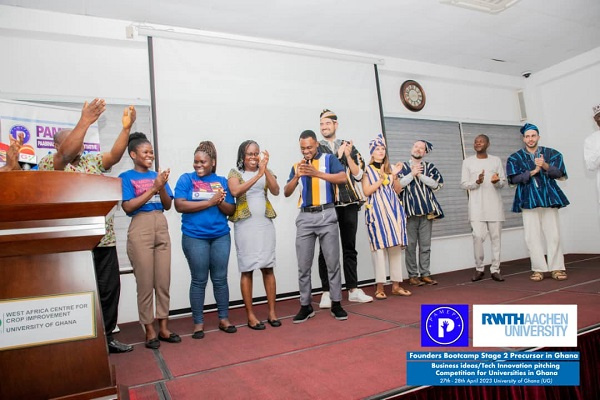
[{"x": 412, "y": 95}]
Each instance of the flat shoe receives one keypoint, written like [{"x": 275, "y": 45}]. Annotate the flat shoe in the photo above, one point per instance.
[
  {"x": 401, "y": 292},
  {"x": 153, "y": 344},
  {"x": 536, "y": 276},
  {"x": 258, "y": 327},
  {"x": 380, "y": 295},
  {"x": 559, "y": 275},
  {"x": 275, "y": 323},
  {"x": 497, "y": 277},
  {"x": 228, "y": 329},
  {"x": 198, "y": 335},
  {"x": 173, "y": 338}
]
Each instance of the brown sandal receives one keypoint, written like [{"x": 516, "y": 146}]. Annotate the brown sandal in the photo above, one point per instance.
[
  {"x": 536, "y": 276},
  {"x": 380, "y": 295},
  {"x": 559, "y": 275},
  {"x": 401, "y": 292}
]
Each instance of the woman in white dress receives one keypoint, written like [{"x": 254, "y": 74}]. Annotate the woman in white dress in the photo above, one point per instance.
[{"x": 254, "y": 230}]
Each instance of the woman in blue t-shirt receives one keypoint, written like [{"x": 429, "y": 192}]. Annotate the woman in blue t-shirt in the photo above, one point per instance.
[
  {"x": 205, "y": 203},
  {"x": 146, "y": 194}
]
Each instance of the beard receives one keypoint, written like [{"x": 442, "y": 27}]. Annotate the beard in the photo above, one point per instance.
[{"x": 417, "y": 156}]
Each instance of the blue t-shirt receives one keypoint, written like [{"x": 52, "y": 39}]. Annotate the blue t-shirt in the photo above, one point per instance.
[
  {"x": 135, "y": 183},
  {"x": 209, "y": 223}
]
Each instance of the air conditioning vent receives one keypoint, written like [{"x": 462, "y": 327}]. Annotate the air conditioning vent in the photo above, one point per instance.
[{"x": 488, "y": 6}]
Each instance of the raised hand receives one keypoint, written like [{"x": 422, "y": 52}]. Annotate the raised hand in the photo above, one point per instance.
[
  {"x": 342, "y": 150},
  {"x": 396, "y": 168},
  {"x": 495, "y": 178},
  {"x": 479, "y": 180},
  {"x": 348, "y": 148},
  {"x": 264, "y": 161},
  {"x": 129, "y": 116},
  {"x": 92, "y": 111},
  {"x": 161, "y": 179}
]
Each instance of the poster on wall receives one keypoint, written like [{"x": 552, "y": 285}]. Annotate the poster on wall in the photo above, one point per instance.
[{"x": 39, "y": 123}]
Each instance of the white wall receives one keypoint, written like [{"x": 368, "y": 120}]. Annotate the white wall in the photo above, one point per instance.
[
  {"x": 560, "y": 100},
  {"x": 74, "y": 58}
]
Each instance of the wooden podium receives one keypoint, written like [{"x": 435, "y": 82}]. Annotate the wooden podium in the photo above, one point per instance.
[{"x": 49, "y": 223}]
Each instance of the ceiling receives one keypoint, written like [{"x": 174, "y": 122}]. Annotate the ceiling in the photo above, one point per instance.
[{"x": 530, "y": 36}]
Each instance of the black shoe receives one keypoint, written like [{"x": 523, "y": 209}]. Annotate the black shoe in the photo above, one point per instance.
[
  {"x": 304, "y": 314},
  {"x": 497, "y": 277},
  {"x": 198, "y": 335},
  {"x": 153, "y": 344},
  {"x": 228, "y": 329},
  {"x": 338, "y": 312},
  {"x": 478, "y": 275},
  {"x": 258, "y": 327},
  {"x": 275, "y": 323},
  {"x": 173, "y": 338},
  {"x": 114, "y": 346}
]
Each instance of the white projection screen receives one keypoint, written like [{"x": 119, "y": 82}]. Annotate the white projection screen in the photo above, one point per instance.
[{"x": 230, "y": 94}]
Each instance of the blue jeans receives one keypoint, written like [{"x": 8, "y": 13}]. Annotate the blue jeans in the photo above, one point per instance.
[{"x": 204, "y": 255}]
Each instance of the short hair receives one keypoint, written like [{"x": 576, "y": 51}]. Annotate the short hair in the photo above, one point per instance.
[
  {"x": 136, "y": 139},
  {"x": 481, "y": 135},
  {"x": 242, "y": 153},
  {"x": 59, "y": 136},
  {"x": 308, "y": 134},
  {"x": 209, "y": 149}
]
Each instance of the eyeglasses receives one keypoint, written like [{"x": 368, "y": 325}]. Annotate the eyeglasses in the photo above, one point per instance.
[{"x": 253, "y": 154}]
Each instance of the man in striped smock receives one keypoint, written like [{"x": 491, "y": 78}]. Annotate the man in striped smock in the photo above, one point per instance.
[
  {"x": 535, "y": 170},
  {"x": 316, "y": 173},
  {"x": 420, "y": 179}
]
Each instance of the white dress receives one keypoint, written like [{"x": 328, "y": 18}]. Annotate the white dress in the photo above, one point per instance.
[{"x": 255, "y": 236}]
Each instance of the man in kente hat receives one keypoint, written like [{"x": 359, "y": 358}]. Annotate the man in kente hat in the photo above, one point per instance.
[
  {"x": 420, "y": 179},
  {"x": 483, "y": 176},
  {"x": 591, "y": 149},
  {"x": 535, "y": 170},
  {"x": 348, "y": 199}
]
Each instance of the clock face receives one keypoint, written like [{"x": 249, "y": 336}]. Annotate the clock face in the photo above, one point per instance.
[{"x": 412, "y": 95}]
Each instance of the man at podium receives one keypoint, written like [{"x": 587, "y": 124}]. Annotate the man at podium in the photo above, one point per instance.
[{"x": 69, "y": 157}]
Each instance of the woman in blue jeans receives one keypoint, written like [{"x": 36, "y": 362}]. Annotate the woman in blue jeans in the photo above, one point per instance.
[{"x": 205, "y": 203}]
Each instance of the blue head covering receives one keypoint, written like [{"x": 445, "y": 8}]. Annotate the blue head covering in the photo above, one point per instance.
[
  {"x": 378, "y": 141},
  {"x": 428, "y": 146},
  {"x": 529, "y": 127}
]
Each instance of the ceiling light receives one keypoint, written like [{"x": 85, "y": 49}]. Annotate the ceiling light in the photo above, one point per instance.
[{"x": 489, "y": 6}]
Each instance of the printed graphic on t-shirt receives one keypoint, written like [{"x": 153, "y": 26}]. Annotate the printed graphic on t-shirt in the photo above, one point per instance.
[
  {"x": 141, "y": 186},
  {"x": 205, "y": 190}
]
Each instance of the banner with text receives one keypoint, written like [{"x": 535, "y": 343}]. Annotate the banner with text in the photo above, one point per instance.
[{"x": 39, "y": 123}]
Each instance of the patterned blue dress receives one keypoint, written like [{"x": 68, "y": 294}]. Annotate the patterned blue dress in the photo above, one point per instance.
[{"x": 384, "y": 215}]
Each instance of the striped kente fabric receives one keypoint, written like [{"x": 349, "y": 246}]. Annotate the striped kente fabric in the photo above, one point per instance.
[
  {"x": 417, "y": 198},
  {"x": 315, "y": 191}
]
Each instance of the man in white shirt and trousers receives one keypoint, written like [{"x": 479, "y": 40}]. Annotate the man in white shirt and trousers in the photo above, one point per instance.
[
  {"x": 591, "y": 149},
  {"x": 483, "y": 176}
]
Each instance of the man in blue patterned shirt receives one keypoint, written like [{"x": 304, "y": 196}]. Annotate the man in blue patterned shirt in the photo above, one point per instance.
[
  {"x": 535, "y": 170},
  {"x": 419, "y": 180}
]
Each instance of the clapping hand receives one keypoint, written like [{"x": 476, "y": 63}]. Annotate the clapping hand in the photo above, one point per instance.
[
  {"x": 479, "y": 180},
  {"x": 495, "y": 178},
  {"x": 161, "y": 179},
  {"x": 264, "y": 161},
  {"x": 129, "y": 116}
]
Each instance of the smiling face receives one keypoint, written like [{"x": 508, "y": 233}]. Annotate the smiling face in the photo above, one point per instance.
[
  {"x": 203, "y": 164},
  {"x": 480, "y": 145},
  {"x": 378, "y": 154},
  {"x": 418, "y": 150},
  {"x": 143, "y": 156},
  {"x": 531, "y": 138},
  {"x": 308, "y": 147},
  {"x": 251, "y": 157},
  {"x": 328, "y": 128}
]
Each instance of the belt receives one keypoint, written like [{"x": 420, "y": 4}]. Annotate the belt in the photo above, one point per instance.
[{"x": 314, "y": 209}]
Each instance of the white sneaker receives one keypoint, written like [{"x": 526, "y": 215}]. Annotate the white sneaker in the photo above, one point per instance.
[
  {"x": 325, "y": 301},
  {"x": 359, "y": 296}
]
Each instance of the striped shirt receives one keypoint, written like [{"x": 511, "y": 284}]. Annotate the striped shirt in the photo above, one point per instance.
[
  {"x": 419, "y": 199},
  {"x": 540, "y": 190},
  {"x": 315, "y": 191},
  {"x": 348, "y": 192}
]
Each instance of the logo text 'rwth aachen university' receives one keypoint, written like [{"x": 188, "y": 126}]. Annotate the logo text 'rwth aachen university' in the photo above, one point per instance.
[
  {"x": 444, "y": 325},
  {"x": 542, "y": 325}
]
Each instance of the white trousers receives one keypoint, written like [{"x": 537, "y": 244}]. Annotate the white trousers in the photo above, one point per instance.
[
  {"x": 539, "y": 224},
  {"x": 395, "y": 257},
  {"x": 480, "y": 230}
]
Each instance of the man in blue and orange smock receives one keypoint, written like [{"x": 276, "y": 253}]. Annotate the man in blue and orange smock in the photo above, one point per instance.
[{"x": 316, "y": 173}]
